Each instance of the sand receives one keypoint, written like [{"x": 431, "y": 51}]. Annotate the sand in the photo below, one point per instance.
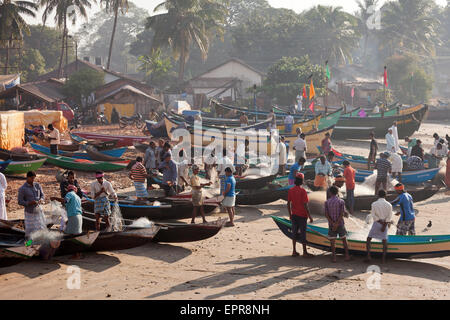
[{"x": 249, "y": 261}]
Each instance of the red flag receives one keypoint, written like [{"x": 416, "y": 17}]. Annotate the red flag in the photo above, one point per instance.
[
  {"x": 385, "y": 77},
  {"x": 311, "y": 106},
  {"x": 304, "y": 92}
]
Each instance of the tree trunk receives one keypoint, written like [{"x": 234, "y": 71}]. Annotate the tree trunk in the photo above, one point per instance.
[
  {"x": 182, "y": 63},
  {"x": 116, "y": 12},
  {"x": 62, "y": 50}
]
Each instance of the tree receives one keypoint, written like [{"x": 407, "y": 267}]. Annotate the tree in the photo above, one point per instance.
[
  {"x": 64, "y": 9},
  {"x": 157, "y": 69},
  {"x": 12, "y": 24},
  {"x": 187, "y": 22},
  {"x": 238, "y": 10},
  {"x": 32, "y": 65},
  {"x": 114, "y": 6},
  {"x": 285, "y": 79},
  {"x": 366, "y": 12},
  {"x": 82, "y": 83}
]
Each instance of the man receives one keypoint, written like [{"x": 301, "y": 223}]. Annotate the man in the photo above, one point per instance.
[
  {"x": 166, "y": 149},
  {"x": 273, "y": 120},
  {"x": 376, "y": 109},
  {"x": 383, "y": 167},
  {"x": 74, "y": 211},
  {"x": 243, "y": 120},
  {"x": 349, "y": 175},
  {"x": 70, "y": 181},
  {"x": 281, "y": 148},
  {"x": 373, "y": 151},
  {"x": 381, "y": 212},
  {"x": 54, "y": 138},
  {"x": 395, "y": 135},
  {"x": 31, "y": 197},
  {"x": 288, "y": 123},
  {"x": 406, "y": 223},
  {"x": 390, "y": 141},
  {"x": 298, "y": 209},
  {"x": 417, "y": 150},
  {"x": 339, "y": 182},
  {"x": 436, "y": 139},
  {"x": 101, "y": 189},
  {"x": 138, "y": 174},
  {"x": 300, "y": 147},
  {"x": 334, "y": 212},
  {"x": 437, "y": 153},
  {"x": 183, "y": 172},
  {"x": 224, "y": 162},
  {"x": 330, "y": 157},
  {"x": 159, "y": 152},
  {"x": 197, "y": 196},
  {"x": 240, "y": 155},
  {"x": 229, "y": 195},
  {"x": 323, "y": 173},
  {"x": 397, "y": 166},
  {"x": 326, "y": 144},
  {"x": 3, "y": 187},
  {"x": 170, "y": 175},
  {"x": 150, "y": 161},
  {"x": 295, "y": 168},
  {"x": 411, "y": 144}
]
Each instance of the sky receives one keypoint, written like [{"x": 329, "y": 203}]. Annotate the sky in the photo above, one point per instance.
[{"x": 296, "y": 5}]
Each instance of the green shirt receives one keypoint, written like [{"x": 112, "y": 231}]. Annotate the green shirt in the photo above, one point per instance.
[{"x": 412, "y": 143}]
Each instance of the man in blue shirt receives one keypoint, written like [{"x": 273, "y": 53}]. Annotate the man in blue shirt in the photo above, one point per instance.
[
  {"x": 406, "y": 223},
  {"x": 296, "y": 167},
  {"x": 229, "y": 195},
  {"x": 170, "y": 174},
  {"x": 73, "y": 207}
]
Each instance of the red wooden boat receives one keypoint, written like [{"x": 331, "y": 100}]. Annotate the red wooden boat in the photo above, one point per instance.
[{"x": 123, "y": 141}]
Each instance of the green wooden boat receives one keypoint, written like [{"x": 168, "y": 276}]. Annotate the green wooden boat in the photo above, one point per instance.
[
  {"x": 84, "y": 165},
  {"x": 21, "y": 167},
  {"x": 329, "y": 120}
]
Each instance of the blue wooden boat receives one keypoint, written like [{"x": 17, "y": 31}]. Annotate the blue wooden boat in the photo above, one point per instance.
[
  {"x": 408, "y": 177},
  {"x": 117, "y": 153},
  {"x": 156, "y": 129},
  {"x": 398, "y": 246}
]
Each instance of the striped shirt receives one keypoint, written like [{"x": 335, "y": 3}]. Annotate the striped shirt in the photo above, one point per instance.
[
  {"x": 138, "y": 172},
  {"x": 383, "y": 166},
  {"x": 334, "y": 207}
]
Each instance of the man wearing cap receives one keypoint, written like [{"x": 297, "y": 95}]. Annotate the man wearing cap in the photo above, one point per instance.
[
  {"x": 170, "y": 174},
  {"x": 229, "y": 195},
  {"x": 381, "y": 212},
  {"x": 101, "y": 189},
  {"x": 323, "y": 173},
  {"x": 197, "y": 196},
  {"x": 383, "y": 167},
  {"x": 74, "y": 212},
  {"x": 298, "y": 214},
  {"x": 406, "y": 223}
]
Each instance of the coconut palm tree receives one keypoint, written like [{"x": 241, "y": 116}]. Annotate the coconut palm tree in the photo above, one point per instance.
[
  {"x": 114, "y": 6},
  {"x": 365, "y": 12},
  {"x": 64, "y": 10},
  {"x": 184, "y": 23},
  {"x": 12, "y": 24}
]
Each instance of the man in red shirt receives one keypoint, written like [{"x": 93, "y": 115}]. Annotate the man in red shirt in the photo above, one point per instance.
[
  {"x": 299, "y": 213},
  {"x": 349, "y": 175}
]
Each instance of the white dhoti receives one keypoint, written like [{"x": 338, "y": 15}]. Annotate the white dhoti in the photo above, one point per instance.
[{"x": 3, "y": 215}]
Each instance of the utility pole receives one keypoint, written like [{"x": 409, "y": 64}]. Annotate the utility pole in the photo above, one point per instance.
[{"x": 254, "y": 102}]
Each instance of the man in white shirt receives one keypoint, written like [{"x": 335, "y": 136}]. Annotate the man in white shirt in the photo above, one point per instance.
[
  {"x": 395, "y": 135},
  {"x": 183, "y": 172},
  {"x": 300, "y": 147},
  {"x": 55, "y": 139},
  {"x": 288, "y": 122},
  {"x": 390, "y": 141},
  {"x": 281, "y": 149},
  {"x": 100, "y": 191},
  {"x": 397, "y": 166},
  {"x": 437, "y": 153},
  {"x": 376, "y": 109},
  {"x": 382, "y": 215}
]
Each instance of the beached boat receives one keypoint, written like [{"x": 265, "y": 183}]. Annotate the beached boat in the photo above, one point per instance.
[
  {"x": 84, "y": 165},
  {"x": 351, "y": 127},
  {"x": 80, "y": 155},
  {"x": 313, "y": 139},
  {"x": 65, "y": 145},
  {"x": 265, "y": 195},
  {"x": 253, "y": 182},
  {"x": 15, "y": 156},
  {"x": 97, "y": 155},
  {"x": 122, "y": 141},
  {"x": 166, "y": 210},
  {"x": 13, "y": 249},
  {"x": 408, "y": 177},
  {"x": 99, "y": 145},
  {"x": 21, "y": 167},
  {"x": 398, "y": 246}
]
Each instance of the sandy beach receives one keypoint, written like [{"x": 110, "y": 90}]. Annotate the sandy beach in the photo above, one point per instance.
[{"x": 249, "y": 261}]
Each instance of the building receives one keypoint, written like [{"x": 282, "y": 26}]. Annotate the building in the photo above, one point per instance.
[
  {"x": 228, "y": 81},
  {"x": 365, "y": 92}
]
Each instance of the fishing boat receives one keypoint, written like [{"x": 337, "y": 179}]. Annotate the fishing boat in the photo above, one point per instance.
[
  {"x": 264, "y": 195},
  {"x": 99, "y": 145},
  {"x": 83, "y": 165},
  {"x": 408, "y": 177},
  {"x": 64, "y": 145},
  {"x": 358, "y": 127},
  {"x": 171, "y": 232},
  {"x": 97, "y": 155},
  {"x": 167, "y": 210},
  {"x": 313, "y": 139},
  {"x": 13, "y": 249},
  {"x": 122, "y": 141},
  {"x": 156, "y": 129},
  {"x": 116, "y": 153},
  {"x": 16, "y": 156},
  {"x": 398, "y": 246},
  {"x": 21, "y": 167},
  {"x": 252, "y": 182}
]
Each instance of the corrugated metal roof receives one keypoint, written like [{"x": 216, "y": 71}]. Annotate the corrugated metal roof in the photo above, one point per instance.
[{"x": 125, "y": 88}]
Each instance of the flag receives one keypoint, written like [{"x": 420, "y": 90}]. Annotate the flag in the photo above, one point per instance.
[
  {"x": 312, "y": 92},
  {"x": 353, "y": 92},
  {"x": 311, "y": 106},
  {"x": 327, "y": 70},
  {"x": 385, "y": 77},
  {"x": 304, "y": 92}
]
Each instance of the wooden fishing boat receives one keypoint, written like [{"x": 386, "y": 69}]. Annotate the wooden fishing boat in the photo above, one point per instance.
[
  {"x": 172, "y": 232},
  {"x": 398, "y": 246},
  {"x": 99, "y": 145},
  {"x": 408, "y": 177},
  {"x": 21, "y": 167},
  {"x": 64, "y": 145},
  {"x": 313, "y": 139},
  {"x": 122, "y": 141},
  {"x": 84, "y": 165},
  {"x": 265, "y": 195},
  {"x": 168, "y": 210},
  {"x": 13, "y": 250},
  {"x": 254, "y": 183},
  {"x": 15, "y": 156},
  {"x": 407, "y": 124},
  {"x": 117, "y": 153},
  {"x": 156, "y": 129},
  {"x": 96, "y": 155}
]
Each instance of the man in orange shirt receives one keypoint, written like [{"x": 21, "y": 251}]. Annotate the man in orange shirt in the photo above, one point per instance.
[
  {"x": 349, "y": 175},
  {"x": 299, "y": 213}
]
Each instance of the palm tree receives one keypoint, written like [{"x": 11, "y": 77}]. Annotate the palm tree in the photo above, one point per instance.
[
  {"x": 409, "y": 27},
  {"x": 114, "y": 6},
  {"x": 366, "y": 12},
  {"x": 187, "y": 22},
  {"x": 332, "y": 34},
  {"x": 64, "y": 9},
  {"x": 12, "y": 25}
]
